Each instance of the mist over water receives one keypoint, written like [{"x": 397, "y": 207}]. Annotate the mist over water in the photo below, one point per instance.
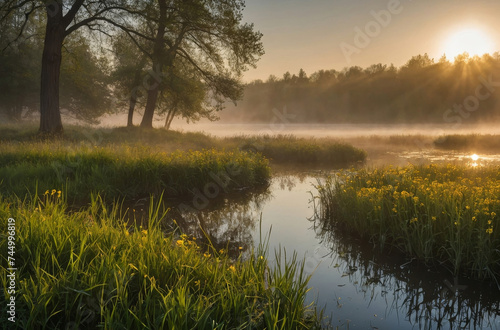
[{"x": 339, "y": 131}]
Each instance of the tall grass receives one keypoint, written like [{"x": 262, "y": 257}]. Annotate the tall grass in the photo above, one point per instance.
[
  {"x": 88, "y": 269},
  {"x": 280, "y": 149},
  {"x": 290, "y": 149},
  {"x": 469, "y": 142},
  {"x": 124, "y": 171},
  {"x": 438, "y": 214}
]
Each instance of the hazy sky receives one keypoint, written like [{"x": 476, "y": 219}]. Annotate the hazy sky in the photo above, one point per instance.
[{"x": 333, "y": 34}]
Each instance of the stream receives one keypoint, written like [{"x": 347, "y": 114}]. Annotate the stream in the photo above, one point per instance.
[{"x": 357, "y": 285}]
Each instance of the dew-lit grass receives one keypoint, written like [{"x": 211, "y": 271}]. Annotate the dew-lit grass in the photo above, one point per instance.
[
  {"x": 469, "y": 142},
  {"x": 90, "y": 269},
  {"x": 122, "y": 171},
  {"x": 447, "y": 215},
  {"x": 279, "y": 149},
  {"x": 288, "y": 149}
]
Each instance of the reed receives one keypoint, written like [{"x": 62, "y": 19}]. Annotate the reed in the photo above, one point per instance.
[
  {"x": 446, "y": 215},
  {"x": 469, "y": 142},
  {"x": 90, "y": 269},
  {"x": 123, "y": 171},
  {"x": 289, "y": 149},
  {"x": 280, "y": 149}
]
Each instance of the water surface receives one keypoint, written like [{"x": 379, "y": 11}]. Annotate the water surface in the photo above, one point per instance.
[{"x": 358, "y": 285}]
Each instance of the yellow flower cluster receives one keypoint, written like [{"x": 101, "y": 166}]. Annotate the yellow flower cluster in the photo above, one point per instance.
[
  {"x": 450, "y": 194},
  {"x": 53, "y": 192}
]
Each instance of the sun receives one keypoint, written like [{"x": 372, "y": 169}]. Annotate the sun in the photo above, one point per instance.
[{"x": 472, "y": 40}]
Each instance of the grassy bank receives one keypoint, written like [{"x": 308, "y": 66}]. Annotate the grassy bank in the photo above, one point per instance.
[
  {"x": 288, "y": 149},
  {"x": 88, "y": 269},
  {"x": 122, "y": 171},
  {"x": 446, "y": 215},
  {"x": 279, "y": 149},
  {"x": 469, "y": 142}
]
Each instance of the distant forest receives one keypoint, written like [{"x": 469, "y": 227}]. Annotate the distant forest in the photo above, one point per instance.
[{"x": 421, "y": 91}]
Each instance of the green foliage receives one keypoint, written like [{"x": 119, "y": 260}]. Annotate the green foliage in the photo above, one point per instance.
[
  {"x": 123, "y": 171},
  {"x": 279, "y": 149},
  {"x": 85, "y": 93},
  {"x": 421, "y": 91},
  {"x": 89, "y": 268},
  {"x": 283, "y": 149},
  {"x": 444, "y": 215},
  {"x": 469, "y": 142},
  {"x": 85, "y": 89}
]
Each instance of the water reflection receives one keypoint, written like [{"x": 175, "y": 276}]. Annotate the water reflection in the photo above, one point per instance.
[
  {"x": 427, "y": 298},
  {"x": 436, "y": 156},
  {"x": 376, "y": 289},
  {"x": 227, "y": 223}
]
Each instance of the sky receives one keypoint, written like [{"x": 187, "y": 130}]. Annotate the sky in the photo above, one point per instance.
[{"x": 334, "y": 34}]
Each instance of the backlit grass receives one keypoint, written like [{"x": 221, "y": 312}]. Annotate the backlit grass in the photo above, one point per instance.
[
  {"x": 122, "y": 171},
  {"x": 279, "y": 149},
  {"x": 288, "y": 149},
  {"x": 438, "y": 214},
  {"x": 469, "y": 142},
  {"x": 89, "y": 269}
]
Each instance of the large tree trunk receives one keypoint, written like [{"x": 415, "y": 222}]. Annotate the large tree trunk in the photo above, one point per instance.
[
  {"x": 149, "y": 111},
  {"x": 154, "y": 87},
  {"x": 50, "y": 115}
]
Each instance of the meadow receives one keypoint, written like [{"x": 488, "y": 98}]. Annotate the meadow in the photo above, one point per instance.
[
  {"x": 89, "y": 268},
  {"x": 127, "y": 172},
  {"x": 83, "y": 261},
  {"x": 279, "y": 149},
  {"x": 445, "y": 215}
]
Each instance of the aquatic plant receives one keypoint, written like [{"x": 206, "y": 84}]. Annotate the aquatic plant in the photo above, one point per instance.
[
  {"x": 91, "y": 269},
  {"x": 289, "y": 149},
  {"x": 124, "y": 171},
  {"x": 469, "y": 142},
  {"x": 446, "y": 214}
]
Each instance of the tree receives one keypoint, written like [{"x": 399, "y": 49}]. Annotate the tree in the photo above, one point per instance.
[
  {"x": 62, "y": 18},
  {"x": 209, "y": 38},
  {"x": 128, "y": 73},
  {"x": 84, "y": 90},
  {"x": 19, "y": 69},
  {"x": 185, "y": 95}
]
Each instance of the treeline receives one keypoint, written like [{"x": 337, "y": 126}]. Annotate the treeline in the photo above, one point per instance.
[{"x": 421, "y": 91}]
